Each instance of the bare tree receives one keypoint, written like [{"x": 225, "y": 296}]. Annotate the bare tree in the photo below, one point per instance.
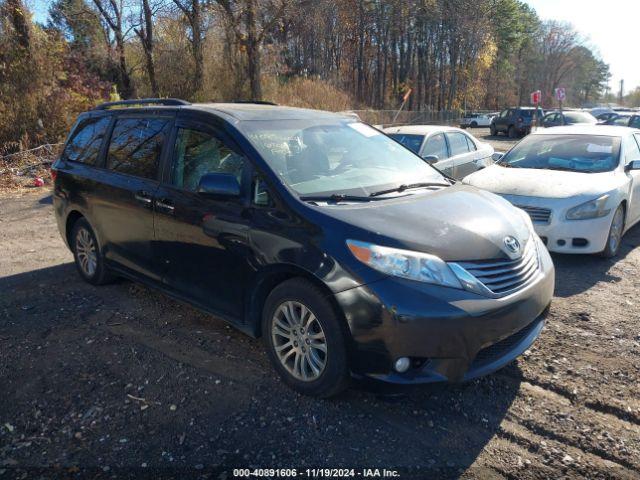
[
  {"x": 145, "y": 34},
  {"x": 112, "y": 12},
  {"x": 193, "y": 12}
]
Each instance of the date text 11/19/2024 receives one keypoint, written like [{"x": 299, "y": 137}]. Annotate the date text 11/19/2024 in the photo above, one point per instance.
[{"x": 315, "y": 473}]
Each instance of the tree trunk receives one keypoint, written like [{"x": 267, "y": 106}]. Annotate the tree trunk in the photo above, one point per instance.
[
  {"x": 253, "y": 52},
  {"x": 196, "y": 45}
]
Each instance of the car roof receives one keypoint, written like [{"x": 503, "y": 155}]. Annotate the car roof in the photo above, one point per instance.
[
  {"x": 238, "y": 111},
  {"x": 602, "y": 130},
  {"x": 256, "y": 111},
  {"x": 420, "y": 129}
]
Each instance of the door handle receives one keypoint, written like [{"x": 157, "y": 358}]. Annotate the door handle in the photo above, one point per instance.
[
  {"x": 166, "y": 205},
  {"x": 143, "y": 197}
]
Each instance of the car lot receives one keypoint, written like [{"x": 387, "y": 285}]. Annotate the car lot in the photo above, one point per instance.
[{"x": 121, "y": 379}]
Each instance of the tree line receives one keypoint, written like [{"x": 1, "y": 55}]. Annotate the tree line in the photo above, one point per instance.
[{"x": 348, "y": 54}]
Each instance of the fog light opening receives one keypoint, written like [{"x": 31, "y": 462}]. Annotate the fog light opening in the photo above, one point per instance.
[{"x": 402, "y": 364}]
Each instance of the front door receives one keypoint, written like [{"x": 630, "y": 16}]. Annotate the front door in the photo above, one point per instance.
[
  {"x": 203, "y": 242},
  {"x": 123, "y": 201}
]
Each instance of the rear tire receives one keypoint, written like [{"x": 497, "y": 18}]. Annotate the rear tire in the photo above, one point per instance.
[
  {"x": 474, "y": 124},
  {"x": 492, "y": 130},
  {"x": 87, "y": 254},
  {"x": 512, "y": 132},
  {"x": 614, "y": 239},
  {"x": 305, "y": 339}
]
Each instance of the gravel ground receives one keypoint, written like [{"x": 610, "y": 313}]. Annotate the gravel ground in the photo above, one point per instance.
[{"x": 121, "y": 381}]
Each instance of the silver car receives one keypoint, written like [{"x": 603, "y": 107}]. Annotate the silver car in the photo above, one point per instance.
[{"x": 449, "y": 149}]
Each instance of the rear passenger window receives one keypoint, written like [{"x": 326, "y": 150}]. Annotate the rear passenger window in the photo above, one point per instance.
[
  {"x": 457, "y": 143},
  {"x": 84, "y": 146},
  {"x": 136, "y": 144},
  {"x": 198, "y": 153}
]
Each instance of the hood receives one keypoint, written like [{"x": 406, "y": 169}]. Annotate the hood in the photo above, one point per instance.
[
  {"x": 530, "y": 182},
  {"x": 455, "y": 223}
]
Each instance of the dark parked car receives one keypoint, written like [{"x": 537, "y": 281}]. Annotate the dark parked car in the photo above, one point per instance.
[
  {"x": 568, "y": 117},
  {"x": 515, "y": 121},
  {"x": 624, "y": 120},
  {"x": 603, "y": 117},
  {"x": 344, "y": 250}
]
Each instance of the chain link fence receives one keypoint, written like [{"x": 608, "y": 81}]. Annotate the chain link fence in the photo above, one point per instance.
[{"x": 388, "y": 118}]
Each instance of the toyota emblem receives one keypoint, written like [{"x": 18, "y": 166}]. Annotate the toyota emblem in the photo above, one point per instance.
[{"x": 512, "y": 244}]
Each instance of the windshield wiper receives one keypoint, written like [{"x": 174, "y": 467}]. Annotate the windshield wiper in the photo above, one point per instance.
[
  {"x": 334, "y": 197},
  {"x": 403, "y": 187}
]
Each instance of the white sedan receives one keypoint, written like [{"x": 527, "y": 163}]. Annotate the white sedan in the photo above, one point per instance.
[
  {"x": 579, "y": 184},
  {"x": 449, "y": 149}
]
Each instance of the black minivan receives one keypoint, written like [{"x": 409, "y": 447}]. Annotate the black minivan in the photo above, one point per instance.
[{"x": 345, "y": 251}]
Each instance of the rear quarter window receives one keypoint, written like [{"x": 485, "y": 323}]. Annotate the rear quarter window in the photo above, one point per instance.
[
  {"x": 136, "y": 145},
  {"x": 86, "y": 142}
]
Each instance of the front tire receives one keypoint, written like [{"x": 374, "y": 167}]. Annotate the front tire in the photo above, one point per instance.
[
  {"x": 474, "y": 124},
  {"x": 614, "y": 239},
  {"x": 87, "y": 254},
  {"x": 492, "y": 130},
  {"x": 305, "y": 339}
]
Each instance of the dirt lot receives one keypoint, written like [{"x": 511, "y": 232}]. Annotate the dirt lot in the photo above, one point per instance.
[{"x": 121, "y": 381}]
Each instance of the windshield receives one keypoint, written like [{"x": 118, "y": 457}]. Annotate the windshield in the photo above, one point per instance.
[
  {"x": 578, "y": 153},
  {"x": 412, "y": 142},
  {"x": 579, "y": 117},
  {"x": 327, "y": 156}
]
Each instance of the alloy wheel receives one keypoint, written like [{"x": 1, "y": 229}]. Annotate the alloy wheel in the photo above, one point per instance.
[
  {"x": 615, "y": 233},
  {"x": 299, "y": 341},
  {"x": 86, "y": 252}
]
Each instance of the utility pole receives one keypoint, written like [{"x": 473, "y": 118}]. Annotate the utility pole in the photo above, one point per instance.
[{"x": 621, "y": 95}]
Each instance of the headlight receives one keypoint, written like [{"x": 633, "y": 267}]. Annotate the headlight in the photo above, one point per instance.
[
  {"x": 417, "y": 266},
  {"x": 591, "y": 209}
]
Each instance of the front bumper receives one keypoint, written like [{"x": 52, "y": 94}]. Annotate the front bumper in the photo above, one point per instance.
[
  {"x": 449, "y": 334},
  {"x": 566, "y": 236},
  {"x": 575, "y": 236}
]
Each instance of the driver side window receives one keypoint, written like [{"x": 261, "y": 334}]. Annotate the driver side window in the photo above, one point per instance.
[
  {"x": 198, "y": 153},
  {"x": 436, "y": 145},
  {"x": 632, "y": 151}
]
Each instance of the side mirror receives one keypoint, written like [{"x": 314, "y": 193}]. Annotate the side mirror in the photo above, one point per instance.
[
  {"x": 633, "y": 165},
  {"x": 219, "y": 185},
  {"x": 430, "y": 159},
  {"x": 497, "y": 156}
]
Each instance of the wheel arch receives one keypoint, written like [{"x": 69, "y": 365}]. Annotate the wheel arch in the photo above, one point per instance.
[
  {"x": 269, "y": 279},
  {"x": 72, "y": 218}
]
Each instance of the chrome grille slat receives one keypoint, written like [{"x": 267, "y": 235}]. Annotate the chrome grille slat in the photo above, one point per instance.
[
  {"x": 484, "y": 272},
  {"x": 502, "y": 277},
  {"x": 526, "y": 268},
  {"x": 537, "y": 214},
  {"x": 495, "y": 287}
]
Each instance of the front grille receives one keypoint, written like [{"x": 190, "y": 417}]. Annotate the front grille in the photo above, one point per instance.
[
  {"x": 505, "y": 276},
  {"x": 490, "y": 353},
  {"x": 537, "y": 214}
]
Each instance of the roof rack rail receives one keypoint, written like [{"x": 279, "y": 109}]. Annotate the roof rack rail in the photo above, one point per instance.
[
  {"x": 142, "y": 101},
  {"x": 256, "y": 102}
]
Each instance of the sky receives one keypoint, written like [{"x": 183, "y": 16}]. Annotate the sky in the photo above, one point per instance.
[{"x": 608, "y": 26}]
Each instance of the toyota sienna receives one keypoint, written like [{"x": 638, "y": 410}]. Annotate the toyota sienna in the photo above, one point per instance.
[{"x": 344, "y": 250}]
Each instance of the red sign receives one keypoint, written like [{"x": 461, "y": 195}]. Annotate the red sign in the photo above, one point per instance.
[{"x": 536, "y": 97}]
